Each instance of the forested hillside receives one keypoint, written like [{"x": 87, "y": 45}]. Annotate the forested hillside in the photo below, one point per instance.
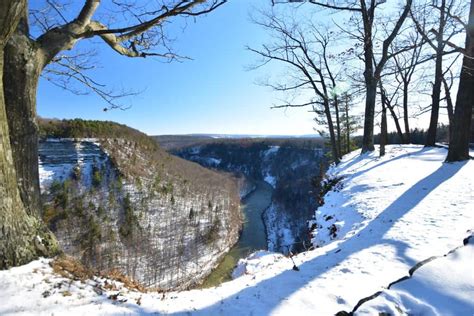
[{"x": 116, "y": 200}]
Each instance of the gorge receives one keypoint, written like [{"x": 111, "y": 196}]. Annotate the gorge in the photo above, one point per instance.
[{"x": 117, "y": 200}]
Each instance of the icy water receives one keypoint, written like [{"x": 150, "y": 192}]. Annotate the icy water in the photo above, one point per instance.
[{"x": 253, "y": 236}]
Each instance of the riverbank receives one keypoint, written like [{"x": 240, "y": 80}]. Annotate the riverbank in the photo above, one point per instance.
[{"x": 252, "y": 237}]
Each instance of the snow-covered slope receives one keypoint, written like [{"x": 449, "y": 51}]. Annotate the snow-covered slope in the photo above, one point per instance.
[
  {"x": 114, "y": 204},
  {"x": 390, "y": 213},
  {"x": 441, "y": 286}
]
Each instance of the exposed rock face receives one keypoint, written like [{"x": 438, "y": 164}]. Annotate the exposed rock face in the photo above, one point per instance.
[
  {"x": 114, "y": 203},
  {"x": 289, "y": 166}
]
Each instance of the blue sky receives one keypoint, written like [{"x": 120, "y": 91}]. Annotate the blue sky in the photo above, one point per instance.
[{"x": 213, "y": 93}]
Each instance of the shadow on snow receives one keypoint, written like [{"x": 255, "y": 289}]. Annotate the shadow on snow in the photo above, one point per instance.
[{"x": 271, "y": 292}]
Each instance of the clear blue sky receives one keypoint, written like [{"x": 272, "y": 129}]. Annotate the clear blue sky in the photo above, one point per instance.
[{"x": 213, "y": 93}]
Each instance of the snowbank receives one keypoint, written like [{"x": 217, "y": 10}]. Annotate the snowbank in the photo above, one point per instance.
[
  {"x": 390, "y": 213},
  {"x": 443, "y": 286}
]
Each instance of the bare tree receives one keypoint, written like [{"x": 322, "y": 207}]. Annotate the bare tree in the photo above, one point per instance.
[
  {"x": 140, "y": 33},
  {"x": 373, "y": 68},
  {"x": 406, "y": 64},
  {"x": 437, "y": 30},
  {"x": 350, "y": 123},
  {"x": 23, "y": 236},
  {"x": 305, "y": 52},
  {"x": 459, "y": 138}
]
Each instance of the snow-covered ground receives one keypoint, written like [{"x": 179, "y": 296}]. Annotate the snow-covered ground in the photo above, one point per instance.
[{"x": 385, "y": 216}]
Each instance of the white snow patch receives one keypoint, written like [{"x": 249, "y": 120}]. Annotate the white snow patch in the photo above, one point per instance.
[
  {"x": 255, "y": 263},
  {"x": 213, "y": 161},
  {"x": 271, "y": 151},
  {"x": 271, "y": 180}
]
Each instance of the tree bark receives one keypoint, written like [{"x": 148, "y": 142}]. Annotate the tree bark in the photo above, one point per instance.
[
  {"x": 435, "y": 99},
  {"x": 21, "y": 76},
  {"x": 371, "y": 94},
  {"x": 459, "y": 139},
  {"x": 22, "y": 237}
]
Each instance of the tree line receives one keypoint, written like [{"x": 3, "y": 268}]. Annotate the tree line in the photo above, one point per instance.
[{"x": 386, "y": 61}]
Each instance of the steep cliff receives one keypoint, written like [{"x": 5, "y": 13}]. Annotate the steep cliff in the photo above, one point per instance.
[
  {"x": 119, "y": 201},
  {"x": 289, "y": 165}
]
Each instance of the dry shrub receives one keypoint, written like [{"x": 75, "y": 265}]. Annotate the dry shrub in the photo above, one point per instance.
[
  {"x": 68, "y": 267},
  {"x": 117, "y": 275}
]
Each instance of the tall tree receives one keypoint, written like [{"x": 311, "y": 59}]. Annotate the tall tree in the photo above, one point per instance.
[
  {"x": 141, "y": 33},
  {"x": 305, "y": 52},
  {"x": 459, "y": 138},
  {"x": 405, "y": 65},
  {"x": 23, "y": 236},
  {"x": 350, "y": 122},
  {"x": 437, "y": 24},
  {"x": 372, "y": 67}
]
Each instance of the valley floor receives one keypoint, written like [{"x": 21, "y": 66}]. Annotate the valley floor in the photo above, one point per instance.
[{"x": 383, "y": 217}]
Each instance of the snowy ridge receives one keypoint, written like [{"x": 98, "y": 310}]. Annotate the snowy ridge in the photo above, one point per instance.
[{"x": 391, "y": 213}]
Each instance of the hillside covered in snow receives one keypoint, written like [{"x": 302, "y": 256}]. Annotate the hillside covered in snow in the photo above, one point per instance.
[
  {"x": 118, "y": 201},
  {"x": 393, "y": 236}
]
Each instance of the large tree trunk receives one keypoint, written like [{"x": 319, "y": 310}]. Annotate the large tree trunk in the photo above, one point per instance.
[
  {"x": 371, "y": 94},
  {"x": 435, "y": 98},
  {"x": 436, "y": 94},
  {"x": 459, "y": 139},
  {"x": 22, "y": 237},
  {"x": 21, "y": 75}
]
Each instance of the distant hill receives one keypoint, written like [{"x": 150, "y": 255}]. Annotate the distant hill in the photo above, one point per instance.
[{"x": 174, "y": 142}]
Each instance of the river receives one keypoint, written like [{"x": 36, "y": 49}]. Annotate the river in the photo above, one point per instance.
[{"x": 253, "y": 236}]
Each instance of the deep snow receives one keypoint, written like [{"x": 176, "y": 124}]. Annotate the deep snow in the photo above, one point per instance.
[{"x": 390, "y": 213}]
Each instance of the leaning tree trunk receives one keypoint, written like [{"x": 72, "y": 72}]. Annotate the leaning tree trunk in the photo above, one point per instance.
[
  {"x": 21, "y": 75},
  {"x": 386, "y": 103},
  {"x": 22, "y": 237},
  {"x": 459, "y": 139}
]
